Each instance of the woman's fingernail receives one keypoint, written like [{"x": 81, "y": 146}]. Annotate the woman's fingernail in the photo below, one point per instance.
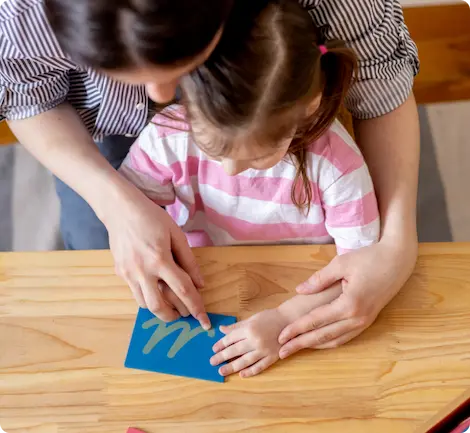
[
  {"x": 205, "y": 322},
  {"x": 283, "y": 354}
]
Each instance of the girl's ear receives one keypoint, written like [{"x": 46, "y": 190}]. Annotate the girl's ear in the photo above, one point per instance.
[{"x": 313, "y": 106}]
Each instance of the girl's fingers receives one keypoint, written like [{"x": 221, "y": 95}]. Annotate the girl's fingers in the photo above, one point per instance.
[
  {"x": 231, "y": 352},
  {"x": 260, "y": 366},
  {"x": 228, "y": 340},
  {"x": 241, "y": 363},
  {"x": 318, "y": 338}
]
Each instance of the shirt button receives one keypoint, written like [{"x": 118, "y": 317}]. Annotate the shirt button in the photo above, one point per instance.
[
  {"x": 140, "y": 106},
  {"x": 129, "y": 135}
]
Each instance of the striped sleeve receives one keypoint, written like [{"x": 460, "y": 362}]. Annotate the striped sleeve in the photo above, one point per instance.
[
  {"x": 347, "y": 194},
  {"x": 33, "y": 70},
  {"x": 43, "y": 91},
  {"x": 140, "y": 167},
  {"x": 388, "y": 57}
]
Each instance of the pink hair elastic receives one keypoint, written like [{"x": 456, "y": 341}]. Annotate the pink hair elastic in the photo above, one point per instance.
[{"x": 323, "y": 49}]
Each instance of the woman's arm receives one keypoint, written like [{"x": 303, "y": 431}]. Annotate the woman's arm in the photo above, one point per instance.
[
  {"x": 59, "y": 140},
  {"x": 143, "y": 237},
  {"x": 371, "y": 276},
  {"x": 390, "y": 145}
]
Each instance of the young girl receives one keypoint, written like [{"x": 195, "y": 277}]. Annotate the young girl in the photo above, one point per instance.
[{"x": 257, "y": 157}]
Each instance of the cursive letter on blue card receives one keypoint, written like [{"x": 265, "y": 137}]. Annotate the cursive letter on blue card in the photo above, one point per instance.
[{"x": 181, "y": 348}]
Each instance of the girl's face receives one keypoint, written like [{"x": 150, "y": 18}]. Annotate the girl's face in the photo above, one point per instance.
[{"x": 248, "y": 154}]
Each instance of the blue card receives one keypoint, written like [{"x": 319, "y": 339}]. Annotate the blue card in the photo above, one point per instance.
[{"x": 181, "y": 347}]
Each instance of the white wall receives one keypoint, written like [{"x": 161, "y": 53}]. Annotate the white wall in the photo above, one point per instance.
[{"x": 427, "y": 2}]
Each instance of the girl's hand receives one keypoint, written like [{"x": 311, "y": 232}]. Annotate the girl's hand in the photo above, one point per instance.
[
  {"x": 370, "y": 278},
  {"x": 251, "y": 346},
  {"x": 150, "y": 251}
]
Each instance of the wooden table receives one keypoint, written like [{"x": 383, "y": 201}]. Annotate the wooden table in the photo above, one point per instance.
[{"x": 65, "y": 322}]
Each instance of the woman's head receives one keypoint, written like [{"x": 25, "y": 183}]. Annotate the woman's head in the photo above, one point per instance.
[
  {"x": 151, "y": 42},
  {"x": 269, "y": 93}
]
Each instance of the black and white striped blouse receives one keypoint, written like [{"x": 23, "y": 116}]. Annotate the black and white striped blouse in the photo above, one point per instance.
[{"x": 35, "y": 74}]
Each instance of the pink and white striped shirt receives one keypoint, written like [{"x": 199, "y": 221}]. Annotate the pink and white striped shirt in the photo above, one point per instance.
[{"x": 255, "y": 206}]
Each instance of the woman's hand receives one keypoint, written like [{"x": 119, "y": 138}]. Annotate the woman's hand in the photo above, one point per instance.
[
  {"x": 251, "y": 346},
  {"x": 370, "y": 278},
  {"x": 149, "y": 251}
]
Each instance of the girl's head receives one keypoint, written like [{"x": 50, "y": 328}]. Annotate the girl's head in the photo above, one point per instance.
[
  {"x": 151, "y": 42},
  {"x": 268, "y": 94}
]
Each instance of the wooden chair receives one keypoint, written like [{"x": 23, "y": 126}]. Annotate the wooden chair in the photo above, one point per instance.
[{"x": 6, "y": 136}]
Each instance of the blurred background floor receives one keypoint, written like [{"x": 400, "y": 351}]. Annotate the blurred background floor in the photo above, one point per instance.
[
  {"x": 450, "y": 139},
  {"x": 29, "y": 210}
]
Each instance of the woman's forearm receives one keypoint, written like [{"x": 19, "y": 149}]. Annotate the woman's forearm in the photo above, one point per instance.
[
  {"x": 390, "y": 145},
  {"x": 60, "y": 141},
  {"x": 146, "y": 243}
]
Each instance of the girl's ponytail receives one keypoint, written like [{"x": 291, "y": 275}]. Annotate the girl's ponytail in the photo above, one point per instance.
[{"x": 338, "y": 67}]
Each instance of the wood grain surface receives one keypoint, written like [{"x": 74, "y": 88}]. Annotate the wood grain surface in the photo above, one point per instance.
[
  {"x": 442, "y": 34},
  {"x": 66, "y": 319}
]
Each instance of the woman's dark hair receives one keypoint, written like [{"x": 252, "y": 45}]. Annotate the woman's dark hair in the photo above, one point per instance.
[
  {"x": 263, "y": 85},
  {"x": 120, "y": 34}
]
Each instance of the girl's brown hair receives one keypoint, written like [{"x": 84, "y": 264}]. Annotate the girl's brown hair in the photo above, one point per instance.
[{"x": 261, "y": 80}]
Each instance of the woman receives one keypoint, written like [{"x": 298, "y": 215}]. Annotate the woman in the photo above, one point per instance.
[{"x": 55, "y": 105}]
